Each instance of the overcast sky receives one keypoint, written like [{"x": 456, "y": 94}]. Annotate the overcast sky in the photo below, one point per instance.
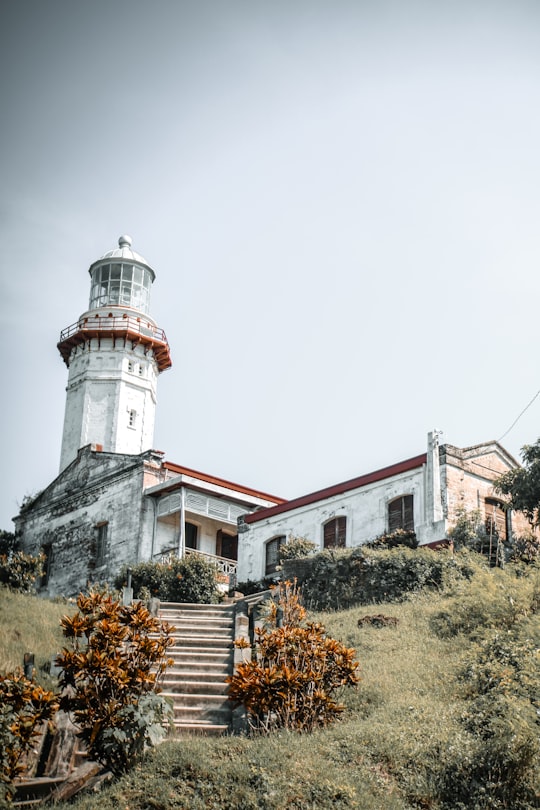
[{"x": 341, "y": 204}]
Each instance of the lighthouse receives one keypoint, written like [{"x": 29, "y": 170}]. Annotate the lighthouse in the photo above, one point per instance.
[{"x": 114, "y": 353}]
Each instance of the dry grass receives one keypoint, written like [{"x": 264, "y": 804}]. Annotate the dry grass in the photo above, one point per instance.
[
  {"x": 401, "y": 740},
  {"x": 29, "y": 624}
]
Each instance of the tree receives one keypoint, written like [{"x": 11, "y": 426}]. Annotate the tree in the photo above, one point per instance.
[
  {"x": 8, "y": 542},
  {"x": 521, "y": 486}
]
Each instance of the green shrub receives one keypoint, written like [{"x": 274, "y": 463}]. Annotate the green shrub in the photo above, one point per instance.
[
  {"x": 24, "y": 707},
  {"x": 525, "y": 549},
  {"x": 337, "y": 579},
  {"x": 191, "y": 579},
  {"x": 21, "y": 571},
  {"x": 295, "y": 548},
  {"x": 110, "y": 675},
  {"x": 292, "y": 680},
  {"x": 9, "y": 542},
  {"x": 401, "y": 537},
  {"x": 493, "y": 600}
]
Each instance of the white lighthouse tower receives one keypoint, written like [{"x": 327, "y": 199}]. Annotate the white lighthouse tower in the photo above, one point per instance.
[{"x": 114, "y": 353}]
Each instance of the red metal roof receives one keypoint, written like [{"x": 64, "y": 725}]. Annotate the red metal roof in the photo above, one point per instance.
[
  {"x": 338, "y": 489},
  {"x": 221, "y": 482}
]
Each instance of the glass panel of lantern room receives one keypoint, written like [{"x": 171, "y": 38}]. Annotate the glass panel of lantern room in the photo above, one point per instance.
[{"x": 114, "y": 292}]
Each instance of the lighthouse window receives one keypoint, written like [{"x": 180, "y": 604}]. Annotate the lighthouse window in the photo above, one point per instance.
[
  {"x": 141, "y": 370},
  {"x": 132, "y": 418},
  {"x": 123, "y": 284}
]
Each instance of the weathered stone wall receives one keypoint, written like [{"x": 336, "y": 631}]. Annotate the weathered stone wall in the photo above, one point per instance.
[
  {"x": 97, "y": 489},
  {"x": 467, "y": 478}
]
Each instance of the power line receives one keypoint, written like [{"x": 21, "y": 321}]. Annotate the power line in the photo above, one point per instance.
[{"x": 516, "y": 420}]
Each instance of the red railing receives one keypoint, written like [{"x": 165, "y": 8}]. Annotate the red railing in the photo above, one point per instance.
[
  {"x": 125, "y": 326},
  {"x": 109, "y": 323}
]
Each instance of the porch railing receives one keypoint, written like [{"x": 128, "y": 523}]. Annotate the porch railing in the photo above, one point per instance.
[{"x": 223, "y": 564}]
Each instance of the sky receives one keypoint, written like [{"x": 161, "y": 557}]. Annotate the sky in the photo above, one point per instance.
[{"x": 341, "y": 204}]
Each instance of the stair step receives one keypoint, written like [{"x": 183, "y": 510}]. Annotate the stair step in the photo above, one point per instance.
[
  {"x": 203, "y": 656},
  {"x": 195, "y": 675},
  {"x": 182, "y": 687},
  {"x": 207, "y": 729}
]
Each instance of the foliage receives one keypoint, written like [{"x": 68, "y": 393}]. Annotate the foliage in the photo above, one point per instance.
[
  {"x": 24, "y": 707},
  {"x": 522, "y": 484},
  {"x": 8, "y": 542},
  {"x": 400, "y": 537},
  {"x": 497, "y": 767},
  {"x": 191, "y": 579},
  {"x": 296, "y": 548},
  {"x": 492, "y": 600},
  {"x": 468, "y": 532},
  {"x": 340, "y": 579},
  {"x": 250, "y": 586},
  {"x": 116, "y": 658},
  {"x": 292, "y": 681},
  {"x": 525, "y": 548},
  {"x": 20, "y": 571}
]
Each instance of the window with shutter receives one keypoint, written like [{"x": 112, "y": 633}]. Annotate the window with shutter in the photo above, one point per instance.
[
  {"x": 335, "y": 533},
  {"x": 272, "y": 553},
  {"x": 401, "y": 514},
  {"x": 496, "y": 519}
]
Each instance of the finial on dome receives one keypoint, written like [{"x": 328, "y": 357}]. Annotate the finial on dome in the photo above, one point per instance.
[{"x": 124, "y": 241}]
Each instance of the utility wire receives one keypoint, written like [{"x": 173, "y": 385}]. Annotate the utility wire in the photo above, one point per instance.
[{"x": 516, "y": 420}]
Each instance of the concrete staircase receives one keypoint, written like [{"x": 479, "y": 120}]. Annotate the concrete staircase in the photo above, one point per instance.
[{"x": 203, "y": 657}]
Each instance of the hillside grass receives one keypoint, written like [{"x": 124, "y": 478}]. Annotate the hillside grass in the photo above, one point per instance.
[
  {"x": 30, "y": 624},
  {"x": 406, "y": 739}
]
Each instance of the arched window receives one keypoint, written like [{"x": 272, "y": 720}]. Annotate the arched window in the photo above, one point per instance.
[
  {"x": 335, "y": 533},
  {"x": 272, "y": 553},
  {"x": 401, "y": 514},
  {"x": 496, "y": 519}
]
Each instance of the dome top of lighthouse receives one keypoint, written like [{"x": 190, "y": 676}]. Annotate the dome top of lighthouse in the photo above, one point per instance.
[{"x": 123, "y": 252}]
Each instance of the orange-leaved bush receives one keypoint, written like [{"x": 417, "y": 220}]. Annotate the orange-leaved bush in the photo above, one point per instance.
[
  {"x": 296, "y": 671},
  {"x": 24, "y": 707},
  {"x": 111, "y": 677}
]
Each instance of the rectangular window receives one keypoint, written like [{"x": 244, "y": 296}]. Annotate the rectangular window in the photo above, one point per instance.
[
  {"x": 226, "y": 545},
  {"x": 191, "y": 535},
  {"x": 101, "y": 542},
  {"x": 47, "y": 565},
  {"x": 132, "y": 418}
]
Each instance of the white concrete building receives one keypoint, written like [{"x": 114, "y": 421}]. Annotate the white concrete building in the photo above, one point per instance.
[{"x": 422, "y": 494}]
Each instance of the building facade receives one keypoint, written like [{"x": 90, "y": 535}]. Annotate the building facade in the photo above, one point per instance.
[
  {"x": 424, "y": 494},
  {"x": 117, "y": 501}
]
